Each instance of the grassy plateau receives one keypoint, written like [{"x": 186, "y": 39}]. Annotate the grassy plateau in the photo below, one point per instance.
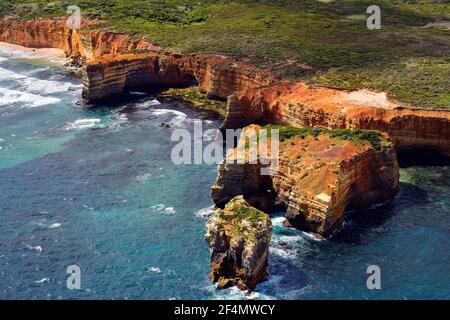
[{"x": 322, "y": 42}]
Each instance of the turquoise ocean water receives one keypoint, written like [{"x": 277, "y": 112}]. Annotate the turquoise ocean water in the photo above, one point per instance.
[{"x": 96, "y": 188}]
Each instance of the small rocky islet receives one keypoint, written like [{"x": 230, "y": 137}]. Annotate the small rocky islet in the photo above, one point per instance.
[{"x": 349, "y": 163}]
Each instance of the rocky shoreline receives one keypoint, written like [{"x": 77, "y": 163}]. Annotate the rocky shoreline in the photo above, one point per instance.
[{"x": 320, "y": 176}]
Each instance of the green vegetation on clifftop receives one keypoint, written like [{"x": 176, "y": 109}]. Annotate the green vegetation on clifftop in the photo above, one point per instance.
[
  {"x": 325, "y": 43},
  {"x": 243, "y": 220},
  {"x": 358, "y": 136}
]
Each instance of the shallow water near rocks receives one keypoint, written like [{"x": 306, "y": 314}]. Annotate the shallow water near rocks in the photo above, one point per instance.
[{"x": 96, "y": 188}]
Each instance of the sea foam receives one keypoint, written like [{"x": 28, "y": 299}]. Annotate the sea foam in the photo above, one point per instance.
[
  {"x": 148, "y": 103},
  {"x": 81, "y": 124},
  {"x": 35, "y": 248},
  {"x": 29, "y": 100},
  {"x": 35, "y": 85},
  {"x": 42, "y": 281},
  {"x": 178, "y": 117},
  {"x": 205, "y": 212},
  {"x": 163, "y": 209}
]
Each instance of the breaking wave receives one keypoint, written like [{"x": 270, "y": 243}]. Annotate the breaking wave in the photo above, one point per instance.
[
  {"x": 29, "y": 100},
  {"x": 177, "y": 118},
  {"x": 81, "y": 124},
  {"x": 36, "y": 85},
  {"x": 205, "y": 212},
  {"x": 163, "y": 209}
]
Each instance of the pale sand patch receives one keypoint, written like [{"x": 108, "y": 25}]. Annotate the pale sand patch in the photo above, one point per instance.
[
  {"x": 51, "y": 53},
  {"x": 440, "y": 24},
  {"x": 368, "y": 98}
]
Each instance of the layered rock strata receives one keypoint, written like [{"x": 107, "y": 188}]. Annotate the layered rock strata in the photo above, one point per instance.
[
  {"x": 307, "y": 106},
  {"x": 88, "y": 44},
  {"x": 238, "y": 238},
  {"x": 216, "y": 75},
  {"x": 111, "y": 68},
  {"x": 110, "y": 71},
  {"x": 319, "y": 177}
]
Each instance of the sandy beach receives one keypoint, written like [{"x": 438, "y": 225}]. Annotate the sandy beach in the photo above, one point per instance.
[{"x": 50, "y": 53}]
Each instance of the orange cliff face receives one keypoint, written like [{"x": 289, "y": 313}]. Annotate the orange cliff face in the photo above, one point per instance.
[
  {"x": 110, "y": 69},
  {"x": 255, "y": 95},
  {"x": 53, "y": 33},
  {"x": 216, "y": 75},
  {"x": 305, "y": 106},
  {"x": 42, "y": 33},
  {"x": 317, "y": 179}
]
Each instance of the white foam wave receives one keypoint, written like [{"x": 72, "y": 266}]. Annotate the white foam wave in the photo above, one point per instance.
[
  {"x": 287, "y": 254},
  {"x": 6, "y": 74},
  {"x": 154, "y": 269},
  {"x": 163, "y": 209},
  {"x": 286, "y": 246},
  {"x": 42, "y": 281},
  {"x": 178, "y": 117},
  {"x": 43, "y": 225},
  {"x": 30, "y": 100},
  {"x": 312, "y": 236},
  {"x": 235, "y": 293},
  {"x": 205, "y": 212},
  {"x": 35, "y": 248},
  {"x": 55, "y": 225},
  {"x": 278, "y": 221},
  {"x": 48, "y": 86},
  {"x": 3, "y": 59},
  {"x": 81, "y": 124},
  {"x": 118, "y": 121},
  {"x": 144, "y": 177},
  {"x": 148, "y": 103},
  {"x": 159, "y": 271},
  {"x": 170, "y": 210},
  {"x": 35, "y": 85}
]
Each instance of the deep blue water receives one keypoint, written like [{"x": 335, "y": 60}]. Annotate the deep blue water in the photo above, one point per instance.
[{"x": 96, "y": 188}]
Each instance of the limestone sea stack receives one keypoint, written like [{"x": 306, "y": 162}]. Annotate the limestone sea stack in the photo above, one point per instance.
[
  {"x": 238, "y": 238},
  {"x": 321, "y": 175}
]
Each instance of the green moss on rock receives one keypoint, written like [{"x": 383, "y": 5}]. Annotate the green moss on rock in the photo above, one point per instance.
[
  {"x": 199, "y": 100},
  {"x": 243, "y": 220},
  {"x": 358, "y": 136}
]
